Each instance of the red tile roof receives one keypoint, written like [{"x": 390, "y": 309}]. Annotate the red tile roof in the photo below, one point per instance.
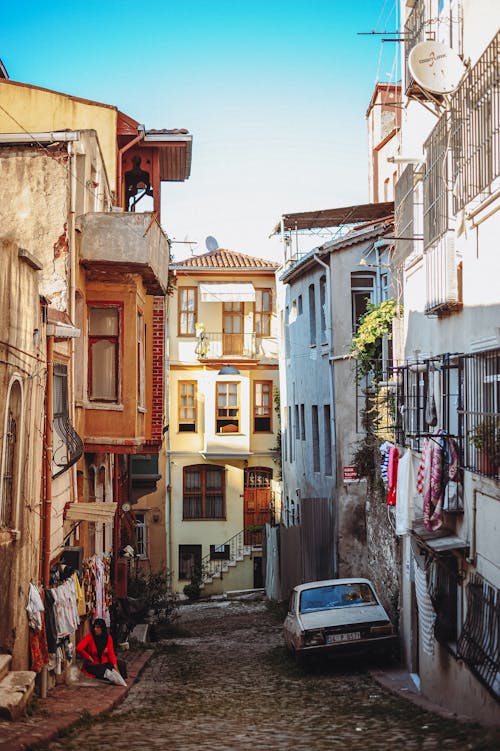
[{"x": 225, "y": 259}]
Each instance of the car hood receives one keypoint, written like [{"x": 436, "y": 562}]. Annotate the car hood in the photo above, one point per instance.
[{"x": 343, "y": 616}]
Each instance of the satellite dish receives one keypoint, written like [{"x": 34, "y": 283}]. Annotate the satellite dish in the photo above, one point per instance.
[
  {"x": 211, "y": 243},
  {"x": 435, "y": 67}
]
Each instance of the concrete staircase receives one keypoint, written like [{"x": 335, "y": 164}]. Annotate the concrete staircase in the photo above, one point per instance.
[
  {"x": 225, "y": 566},
  {"x": 16, "y": 689}
]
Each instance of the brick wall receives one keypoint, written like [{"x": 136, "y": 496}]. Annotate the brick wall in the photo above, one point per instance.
[{"x": 158, "y": 367}]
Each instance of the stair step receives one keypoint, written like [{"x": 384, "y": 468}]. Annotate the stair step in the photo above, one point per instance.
[
  {"x": 5, "y": 661},
  {"x": 15, "y": 692}
]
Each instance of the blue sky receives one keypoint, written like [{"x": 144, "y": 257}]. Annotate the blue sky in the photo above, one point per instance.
[{"x": 274, "y": 92}]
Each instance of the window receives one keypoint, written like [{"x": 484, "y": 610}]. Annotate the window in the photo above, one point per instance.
[
  {"x": 189, "y": 560},
  {"x": 480, "y": 397},
  {"x": 297, "y": 423},
  {"x": 10, "y": 468},
  {"x": 315, "y": 437},
  {"x": 228, "y": 409},
  {"x": 290, "y": 434},
  {"x": 263, "y": 398},
  {"x": 67, "y": 444},
  {"x": 443, "y": 583},
  {"x": 312, "y": 315},
  {"x": 263, "y": 311},
  {"x": 362, "y": 290},
  {"x": 141, "y": 549},
  {"x": 203, "y": 496},
  {"x": 302, "y": 423},
  {"x": 328, "y": 440},
  {"x": 299, "y": 305},
  {"x": 187, "y": 311},
  {"x": 141, "y": 360},
  {"x": 104, "y": 331},
  {"x": 287, "y": 331},
  {"x": 220, "y": 552},
  {"x": 232, "y": 328},
  {"x": 187, "y": 406},
  {"x": 322, "y": 307}
]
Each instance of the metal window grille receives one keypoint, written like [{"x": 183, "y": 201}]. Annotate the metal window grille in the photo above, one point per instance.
[
  {"x": 475, "y": 128},
  {"x": 404, "y": 219},
  {"x": 479, "y": 411},
  {"x": 68, "y": 446},
  {"x": 442, "y": 584},
  {"x": 479, "y": 642},
  {"x": 435, "y": 181}
]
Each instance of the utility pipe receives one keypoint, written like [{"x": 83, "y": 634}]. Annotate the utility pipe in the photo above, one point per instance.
[
  {"x": 121, "y": 152},
  {"x": 47, "y": 504}
]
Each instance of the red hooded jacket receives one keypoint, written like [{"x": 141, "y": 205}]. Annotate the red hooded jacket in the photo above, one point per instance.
[{"x": 87, "y": 649}]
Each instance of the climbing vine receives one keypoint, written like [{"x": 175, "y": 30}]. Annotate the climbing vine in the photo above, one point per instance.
[{"x": 374, "y": 324}]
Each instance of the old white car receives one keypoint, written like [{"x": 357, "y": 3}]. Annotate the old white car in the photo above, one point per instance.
[{"x": 337, "y": 616}]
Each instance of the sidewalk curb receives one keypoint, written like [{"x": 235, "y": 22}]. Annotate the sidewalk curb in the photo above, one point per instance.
[
  {"x": 399, "y": 682},
  {"x": 64, "y": 707}
]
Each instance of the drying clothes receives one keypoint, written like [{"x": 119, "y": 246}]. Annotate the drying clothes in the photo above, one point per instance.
[
  {"x": 80, "y": 598},
  {"x": 426, "y": 614},
  {"x": 392, "y": 474},
  {"x": 66, "y": 611},
  {"x": 50, "y": 620},
  {"x": 433, "y": 484},
  {"x": 38, "y": 648},
  {"x": 405, "y": 506},
  {"x": 384, "y": 450},
  {"x": 34, "y": 608},
  {"x": 101, "y": 606}
]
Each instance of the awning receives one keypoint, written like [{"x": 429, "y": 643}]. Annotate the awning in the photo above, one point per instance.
[
  {"x": 228, "y": 292},
  {"x": 92, "y": 512},
  {"x": 366, "y": 212}
]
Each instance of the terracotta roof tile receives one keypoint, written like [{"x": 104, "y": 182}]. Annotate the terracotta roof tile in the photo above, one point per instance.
[{"x": 225, "y": 259}]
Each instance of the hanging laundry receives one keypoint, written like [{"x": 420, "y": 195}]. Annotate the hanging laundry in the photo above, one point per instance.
[
  {"x": 34, "y": 608},
  {"x": 392, "y": 474},
  {"x": 384, "y": 450},
  {"x": 405, "y": 492}
]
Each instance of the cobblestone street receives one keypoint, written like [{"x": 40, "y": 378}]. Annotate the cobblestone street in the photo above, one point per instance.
[{"x": 230, "y": 686}]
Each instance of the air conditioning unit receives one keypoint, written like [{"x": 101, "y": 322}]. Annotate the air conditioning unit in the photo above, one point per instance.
[{"x": 442, "y": 276}]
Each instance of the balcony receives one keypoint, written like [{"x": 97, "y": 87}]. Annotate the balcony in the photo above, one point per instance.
[
  {"x": 246, "y": 346},
  {"x": 114, "y": 244}
]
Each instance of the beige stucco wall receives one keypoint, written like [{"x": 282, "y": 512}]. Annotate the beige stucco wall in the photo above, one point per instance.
[{"x": 38, "y": 110}]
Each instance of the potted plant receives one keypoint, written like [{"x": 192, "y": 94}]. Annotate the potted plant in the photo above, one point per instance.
[{"x": 485, "y": 437}]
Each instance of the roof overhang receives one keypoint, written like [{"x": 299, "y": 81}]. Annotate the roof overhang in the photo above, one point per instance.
[
  {"x": 175, "y": 151},
  {"x": 365, "y": 212}
]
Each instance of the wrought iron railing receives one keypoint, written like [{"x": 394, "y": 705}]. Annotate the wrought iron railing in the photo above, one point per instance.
[
  {"x": 217, "y": 344},
  {"x": 217, "y": 562},
  {"x": 479, "y": 642}
]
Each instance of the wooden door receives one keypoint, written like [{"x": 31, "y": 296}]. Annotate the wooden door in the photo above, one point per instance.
[
  {"x": 232, "y": 328},
  {"x": 257, "y": 502}
]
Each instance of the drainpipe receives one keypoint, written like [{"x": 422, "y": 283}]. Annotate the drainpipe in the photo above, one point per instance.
[
  {"x": 121, "y": 152},
  {"x": 47, "y": 505},
  {"x": 329, "y": 331}
]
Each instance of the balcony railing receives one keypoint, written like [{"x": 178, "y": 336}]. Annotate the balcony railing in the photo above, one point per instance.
[{"x": 218, "y": 345}]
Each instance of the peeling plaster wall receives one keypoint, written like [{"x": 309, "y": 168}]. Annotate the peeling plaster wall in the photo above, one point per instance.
[{"x": 37, "y": 218}]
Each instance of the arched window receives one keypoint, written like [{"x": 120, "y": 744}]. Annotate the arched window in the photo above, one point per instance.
[{"x": 10, "y": 458}]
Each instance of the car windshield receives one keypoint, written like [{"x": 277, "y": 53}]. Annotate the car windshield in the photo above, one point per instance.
[{"x": 336, "y": 596}]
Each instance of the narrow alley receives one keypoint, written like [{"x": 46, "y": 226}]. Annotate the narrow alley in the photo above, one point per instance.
[{"x": 227, "y": 684}]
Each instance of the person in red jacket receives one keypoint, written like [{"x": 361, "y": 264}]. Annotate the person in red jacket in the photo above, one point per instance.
[{"x": 97, "y": 650}]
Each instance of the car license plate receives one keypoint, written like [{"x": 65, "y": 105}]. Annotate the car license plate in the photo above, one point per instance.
[{"x": 335, "y": 638}]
